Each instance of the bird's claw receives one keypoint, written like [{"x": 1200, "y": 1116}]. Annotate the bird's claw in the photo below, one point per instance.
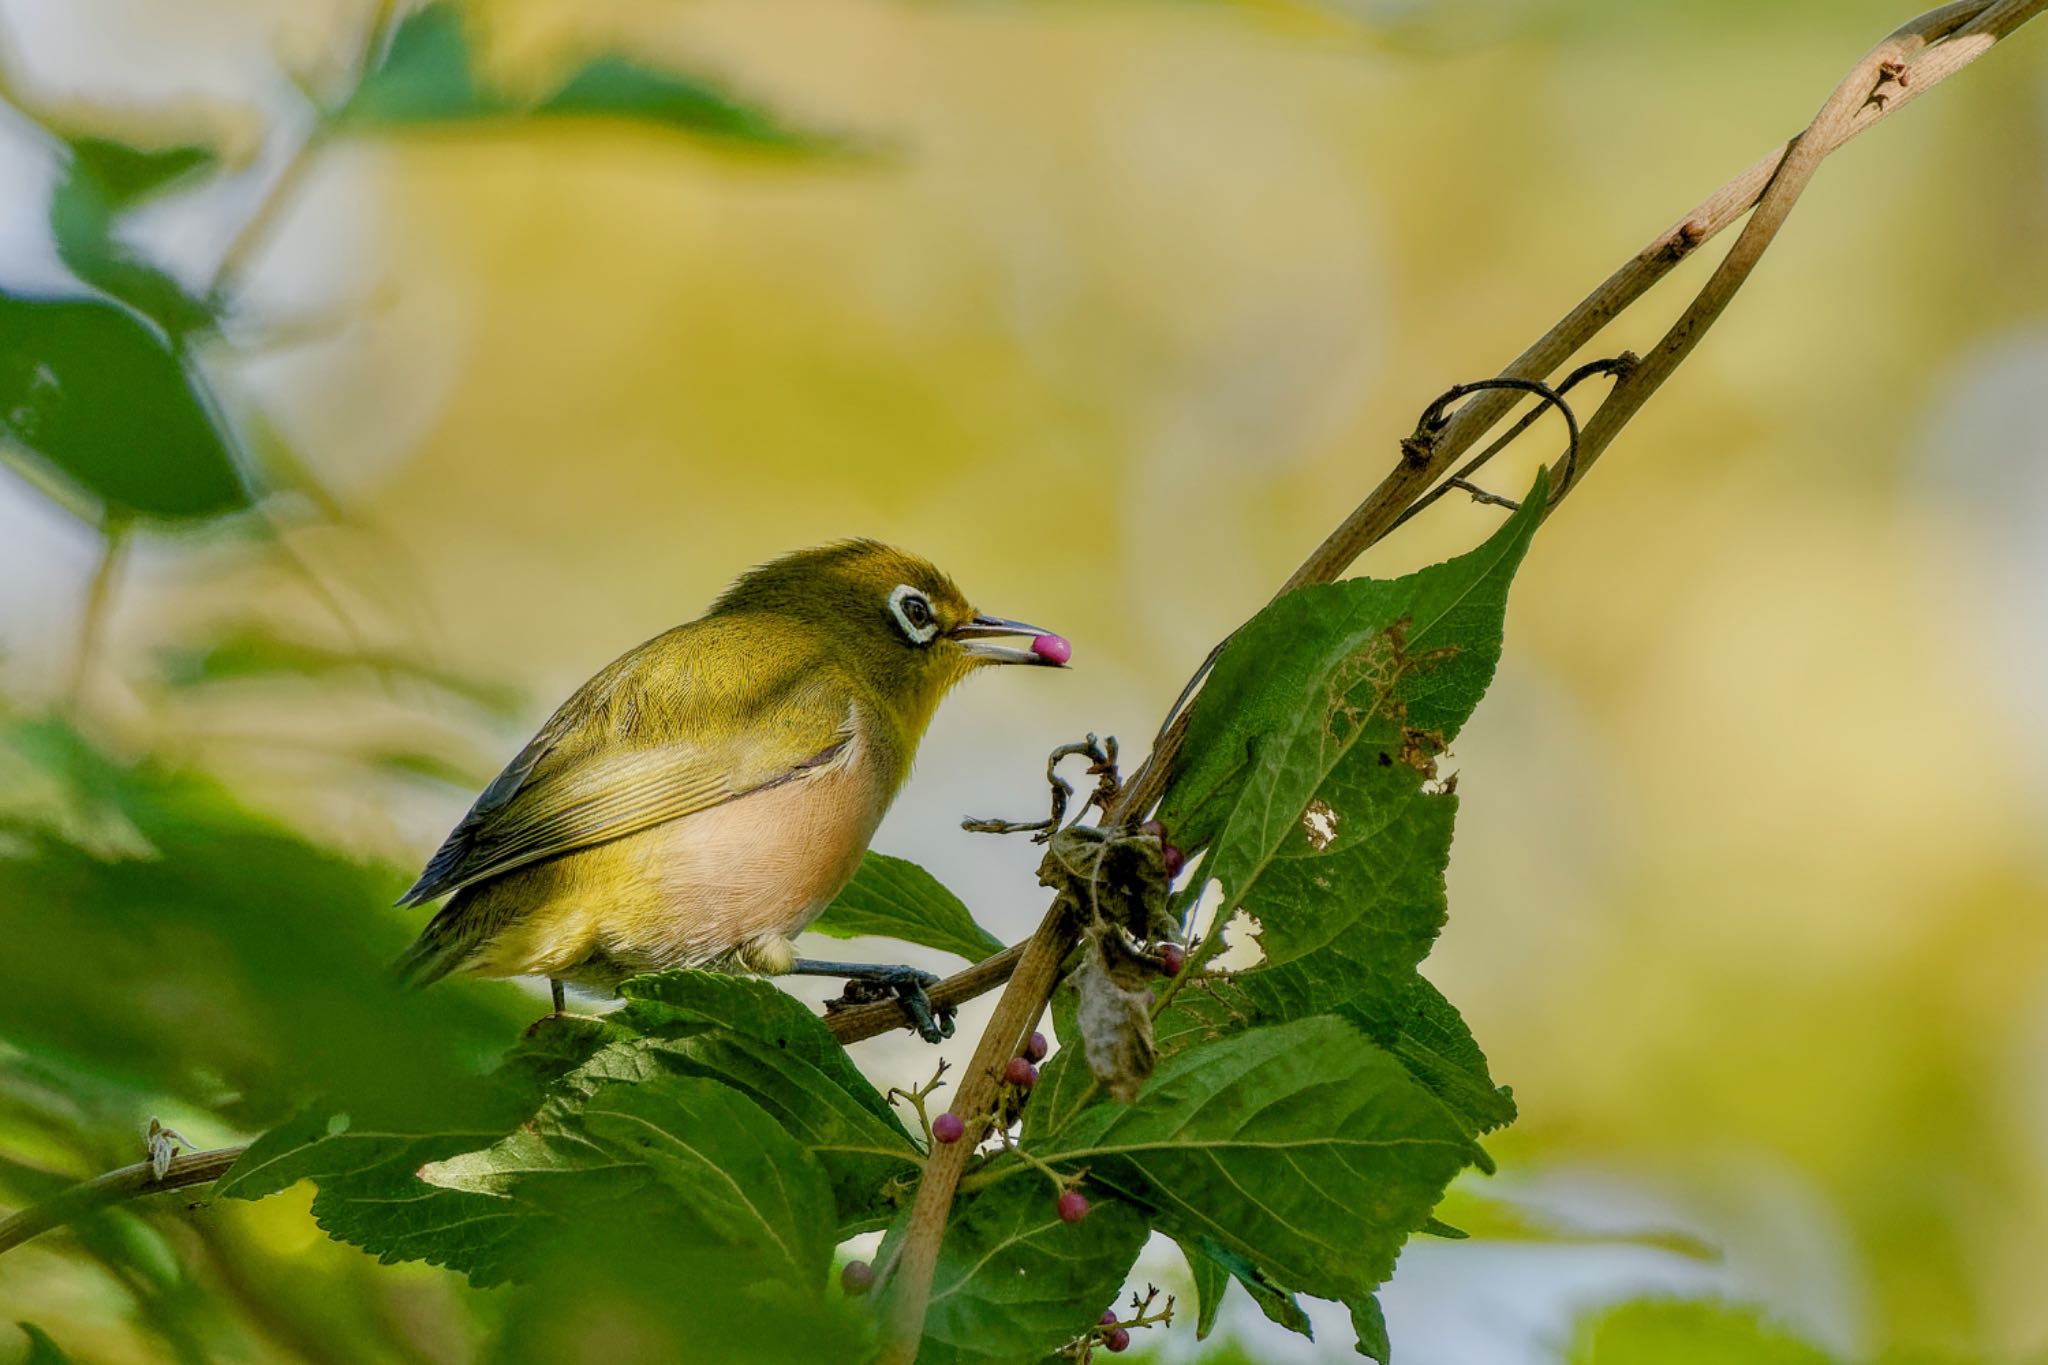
[
  {"x": 932, "y": 1025},
  {"x": 867, "y": 982}
]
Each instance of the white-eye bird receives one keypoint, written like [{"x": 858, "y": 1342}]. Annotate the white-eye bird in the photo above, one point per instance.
[{"x": 705, "y": 797}]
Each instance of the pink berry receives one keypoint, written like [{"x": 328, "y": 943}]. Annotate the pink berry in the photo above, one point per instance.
[
  {"x": 1054, "y": 649},
  {"x": 857, "y": 1278},
  {"x": 1155, "y": 829},
  {"x": 1021, "y": 1073},
  {"x": 1172, "y": 958},
  {"x": 1034, "y": 1048},
  {"x": 1116, "y": 1339},
  {"x": 1073, "y": 1206},
  {"x": 1173, "y": 859},
  {"x": 948, "y": 1128},
  {"x": 1108, "y": 1318}
]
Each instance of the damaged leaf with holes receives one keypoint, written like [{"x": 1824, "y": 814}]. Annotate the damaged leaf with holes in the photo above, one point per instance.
[{"x": 1311, "y": 777}]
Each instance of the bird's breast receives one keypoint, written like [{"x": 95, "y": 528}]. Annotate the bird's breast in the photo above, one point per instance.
[{"x": 763, "y": 865}]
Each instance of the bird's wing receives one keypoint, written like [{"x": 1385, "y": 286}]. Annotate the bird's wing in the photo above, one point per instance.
[{"x": 594, "y": 773}]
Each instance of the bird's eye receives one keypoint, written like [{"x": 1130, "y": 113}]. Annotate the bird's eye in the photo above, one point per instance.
[{"x": 913, "y": 613}]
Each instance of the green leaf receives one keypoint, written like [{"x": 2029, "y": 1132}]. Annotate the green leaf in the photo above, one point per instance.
[
  {"x": 1682, "y": 1332},
  {"x": 680, "y": 1006},
  {"x": 615, "y": 87},
  {"x": 691, "y": 1157},
  {"x": 895, "y": 898},
  {"x": 1491, "y": 1218},
  {"x": 127, "y": 175},
  {"x": 1214, "y": 1266},
  {"x": 1310, "y": 775},
  {"x": 744, "y": 1032},
  {"x": 98, "y": 410},
  {"x": 429, "y": 74},
  {"x": 103, "y": 180},
  {"x": 1300, "y": 1147},
  {"x": 1016, "y": 1283},
  {"x": 1269, "y": 718},
  {"x": 762, "y": 1044},
  {"x": 41, "y": 1350},
  {"x": 1369, "y": 1325}
]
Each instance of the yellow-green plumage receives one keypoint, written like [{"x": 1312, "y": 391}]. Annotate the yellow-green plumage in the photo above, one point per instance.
[{"x": 706, "y": 795}]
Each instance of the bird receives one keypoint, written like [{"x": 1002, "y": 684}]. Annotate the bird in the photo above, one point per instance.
[{"x": 706, "y": 795}]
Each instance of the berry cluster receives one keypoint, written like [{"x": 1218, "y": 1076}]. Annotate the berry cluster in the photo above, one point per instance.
[{"x": 1113, "y": 1333}]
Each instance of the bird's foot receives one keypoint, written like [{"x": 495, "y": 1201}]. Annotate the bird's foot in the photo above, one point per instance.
[{"x": 868, "y": 982}]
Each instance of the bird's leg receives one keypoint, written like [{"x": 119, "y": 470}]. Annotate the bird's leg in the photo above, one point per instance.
[
  {"x": 908, "y": 984},
  {"x": 560, "y": 1011}
]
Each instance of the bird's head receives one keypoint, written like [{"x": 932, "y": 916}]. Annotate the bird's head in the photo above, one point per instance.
[{"x": 889, "y": 615}]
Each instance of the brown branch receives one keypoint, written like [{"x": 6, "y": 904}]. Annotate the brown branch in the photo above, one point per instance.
[{"x": 1892, "y": 75}]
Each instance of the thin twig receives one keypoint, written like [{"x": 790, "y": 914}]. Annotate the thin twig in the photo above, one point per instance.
[
  {"x": 92, "y": 621},
  {"x": 130, "y": 1182},
  {"x": 1970, "y": 28}
]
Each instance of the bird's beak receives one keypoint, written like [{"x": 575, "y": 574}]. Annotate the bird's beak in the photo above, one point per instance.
[{"x": 1047, "y": 649}]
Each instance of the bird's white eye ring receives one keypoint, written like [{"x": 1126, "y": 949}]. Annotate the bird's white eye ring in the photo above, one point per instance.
[{"x": 913, "y": 613}]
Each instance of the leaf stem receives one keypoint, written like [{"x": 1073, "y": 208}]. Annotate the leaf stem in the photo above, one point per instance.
[{"x": 92, "y": 620}]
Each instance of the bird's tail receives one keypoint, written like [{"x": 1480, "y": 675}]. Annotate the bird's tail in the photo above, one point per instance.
[{"x": 447, "y": 942}]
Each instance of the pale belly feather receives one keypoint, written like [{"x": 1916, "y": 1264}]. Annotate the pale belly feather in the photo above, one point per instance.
[{"x": 726, "y": 886}]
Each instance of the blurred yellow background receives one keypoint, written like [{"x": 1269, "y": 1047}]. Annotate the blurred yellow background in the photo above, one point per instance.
[{"x": 1120, "y": 306}]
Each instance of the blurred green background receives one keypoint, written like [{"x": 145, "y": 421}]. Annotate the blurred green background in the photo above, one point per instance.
[{"x": 1111, "y": 307}]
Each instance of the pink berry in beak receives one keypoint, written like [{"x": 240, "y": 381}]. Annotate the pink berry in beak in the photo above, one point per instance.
[{"x": 1054, "y": 649}]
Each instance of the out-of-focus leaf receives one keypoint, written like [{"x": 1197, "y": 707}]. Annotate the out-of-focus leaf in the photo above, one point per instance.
[
  {"x": 1687, "y": 1332},
  {"x": 1489, "y": 1218},
  {"x": 41, "y": 1350},
  {"x": 247, "y": 655},
  {"x": 127, "y": 175},
  {"x": 616, "y": 87},
  {"x": 103, "y": 180},
  {"x": 235, "y": 967},
  {"x": 97, "y": 409},
  {"x": 428, "y": 74},
  {"x": 895, "y": 898},
  {"x": 1301, "y": 1147},
  {"x": 425, "y": 75},
  {"x": 1014, "y": 1282},
  {"x": 599, "y": 1285}
]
